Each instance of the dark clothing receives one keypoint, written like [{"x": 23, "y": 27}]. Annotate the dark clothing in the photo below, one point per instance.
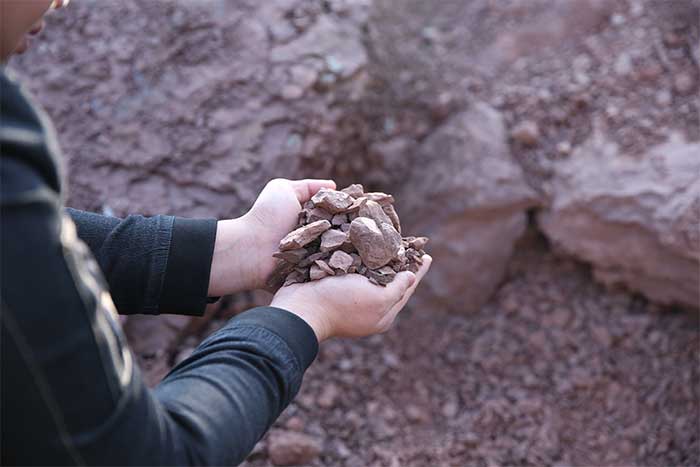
[{"x": 70, "y": 391}]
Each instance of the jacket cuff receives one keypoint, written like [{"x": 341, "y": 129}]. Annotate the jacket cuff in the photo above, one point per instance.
[
  {"x": 298, "y": 335},
  {"x": 187, "y": 272}
]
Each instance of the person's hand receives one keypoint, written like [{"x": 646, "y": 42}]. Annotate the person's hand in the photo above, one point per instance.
[
  {"x": 349, "y": 305},
  {"x": 244, "y": 246}
]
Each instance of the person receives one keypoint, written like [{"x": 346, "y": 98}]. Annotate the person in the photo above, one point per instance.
[{"x": 71, "y": 393}]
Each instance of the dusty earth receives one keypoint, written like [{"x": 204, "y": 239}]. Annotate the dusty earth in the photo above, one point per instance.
[{"x": 554, "y": 369}]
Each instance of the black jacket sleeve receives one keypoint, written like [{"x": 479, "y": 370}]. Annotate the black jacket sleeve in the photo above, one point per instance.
[
  {"x": 70, "y": 393},
  {"x": 153, "y": 265}
]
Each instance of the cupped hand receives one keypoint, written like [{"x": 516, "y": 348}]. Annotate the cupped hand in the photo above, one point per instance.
[
  {"x": 349, "y": 305},
  {"x": 244, "y": 246}
]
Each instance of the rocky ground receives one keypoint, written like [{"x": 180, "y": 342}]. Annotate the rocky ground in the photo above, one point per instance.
[
  {"x": 484, "y": 108},
  {"x": 550, "y": 372}
]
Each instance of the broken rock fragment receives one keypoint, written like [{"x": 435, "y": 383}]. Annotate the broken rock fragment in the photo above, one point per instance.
[
  {"x": 374, "y": 211},
  {"x": 347, "y": 232},
  {"x": 332, "y": 201},
  {"x": 304, "y": 235},
  {"x": 341, "y": 261},
  {"x": 292, "y": 256},
  {"x": 355, "y": 190},
  {"x": 324, "y": 267},
  {"x": 370, "y": 244},
  {"x": 332, "y": 240}
]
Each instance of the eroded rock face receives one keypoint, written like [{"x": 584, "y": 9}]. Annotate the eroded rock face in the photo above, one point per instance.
[
  {"x": 472, "y": 203},
  {"x": 634, "y": 217}
]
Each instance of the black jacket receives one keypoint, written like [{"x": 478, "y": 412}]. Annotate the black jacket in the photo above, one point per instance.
[{"x": 70, "y": 391}]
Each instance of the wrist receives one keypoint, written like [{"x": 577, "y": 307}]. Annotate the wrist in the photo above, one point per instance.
[
  {"x": 230, "y": 266},
  {"x": 307, "y": 312}
]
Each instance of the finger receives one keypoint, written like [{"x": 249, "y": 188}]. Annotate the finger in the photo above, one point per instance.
[
  {"x": 305, "y": 189},
  {"x": 399, "y": 286},
  {"x": 427, "y": 261}
]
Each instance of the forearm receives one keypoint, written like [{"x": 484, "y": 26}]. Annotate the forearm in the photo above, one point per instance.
[
  {"x": 153, "y": 265},
  {"x": 228, "y": 393}
]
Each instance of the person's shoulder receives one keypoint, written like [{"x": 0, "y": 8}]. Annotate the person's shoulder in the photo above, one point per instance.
[{"x": 28, "y": 147}]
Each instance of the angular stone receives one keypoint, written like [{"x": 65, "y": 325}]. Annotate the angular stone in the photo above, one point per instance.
[
  {"x": 417, "y": 243},
  {"x": 339, "y": 219},
  {"x": 526, "y": 133},
  {"x": 341, "y": 260},
  {"x": 294, "y": 277},
  {"x": 374, "y": 211},
  {"x": 382, "y": 275},
  {"x": 316, "y": 273},
  {"x": 345, "y": 227},
  {"x": 355, "y": 206},
  {"x": 332, "y": 201},
  {"x": 317, "y": 214},
  {"x": 370, "y": 243},
  {"x": 324, "y": 267},
  {"x": 304, "y": 235},
  {"x": 332, "y": 240},
  {"x": 381, "y": 198},
  {"x": 355, "y": 190},
  {"x": 309, "y": 260},
  {"x": 392, "y": 239},
  {"x": 393, "y": 215},
  {"x": 292, "y": 256},
  {"x": 279, "y": 274}
]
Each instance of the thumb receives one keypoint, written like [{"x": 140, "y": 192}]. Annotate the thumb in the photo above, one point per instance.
[
  {"x": 305, "y": 189},
  {"x": 400, "y": 285}
]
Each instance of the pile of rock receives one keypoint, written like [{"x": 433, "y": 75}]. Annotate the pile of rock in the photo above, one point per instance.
[{"x": 344, "y": 232}]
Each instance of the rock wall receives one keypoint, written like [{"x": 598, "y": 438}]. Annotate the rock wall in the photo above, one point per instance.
[
  {"x": 190, "y": 107},
  {"x": 635, "y": 218}
]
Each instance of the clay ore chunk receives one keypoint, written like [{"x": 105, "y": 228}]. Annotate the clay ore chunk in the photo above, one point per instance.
[
  {"x": 316, "y": 273},
  {"x": 370, "y": 243},
  {"x": 339, "y": 219},
  {"x": 346, "y": 232},
  {"x": 332, "y": 240},
  {"x": 374, "y": 211},
  {"x": 393, "y": 215},
  {"x": 324, "y": 267},
  {"x": 304, "y": 235},
  {"x": 341, "y": 261},
  {"x": 292, "y": 256},
  {"x": 355, "y": 190},
  {"x": 332, "y": 201},
  {"x": 381, "y": 198}
]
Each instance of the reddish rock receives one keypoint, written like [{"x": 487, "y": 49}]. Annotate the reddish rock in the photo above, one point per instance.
[
  {"x": 374, "y": 211},
  {"x": 304, "y": 235},
  {"x": 332, "y": 240},
  {"x": 393, "y": 216},
  {"x": 341, "y": 260},
  {"x": 381, "y": 198},
  {"x": 332, "y": 201},
  {"x": 526, "y": 133},
  {"x": 292, "y": 448},
  {"x": 316, "y": 273},
  {"x": 339, "y": 219},
  {"x": 370, "y": 243},
  {"x": 355, "y": 190},
  {"x": 324, "y": 267},
  {"x": 292, "y": 256}
]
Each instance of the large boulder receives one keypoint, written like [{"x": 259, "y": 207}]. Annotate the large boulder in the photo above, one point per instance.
[
  {"x": 470, "y": 197},
  {"x": 634, "y": 217}
]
